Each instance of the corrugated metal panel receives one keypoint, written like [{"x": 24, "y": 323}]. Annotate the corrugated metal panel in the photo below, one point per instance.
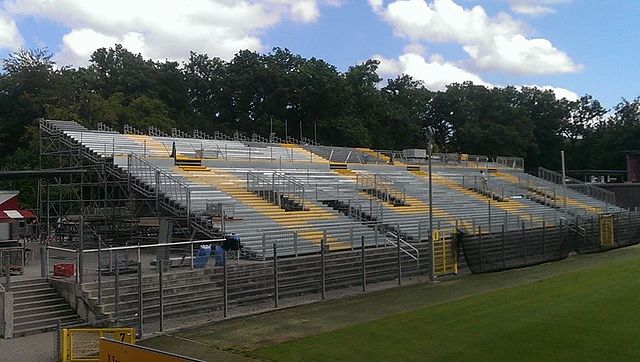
[{"x": 4, "y": 231}]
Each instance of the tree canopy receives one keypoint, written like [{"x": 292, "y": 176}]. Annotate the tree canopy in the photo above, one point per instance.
[{"x": 294, "y": 95}]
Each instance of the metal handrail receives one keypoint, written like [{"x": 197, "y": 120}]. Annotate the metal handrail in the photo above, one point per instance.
[
  {"x": 278, "y": 184},
  {"x": 390, "y": 187},
  {"x": 511, "y": 162},
  {"x": 154, "y": 131},
  {"x": 396, "y": 236},
  {"x": 577, "y": 185},
  {"x": 164, "y": 184}
]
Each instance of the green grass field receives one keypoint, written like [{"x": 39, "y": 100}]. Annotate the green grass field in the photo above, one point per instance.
[{"x": 579, "y": 309}]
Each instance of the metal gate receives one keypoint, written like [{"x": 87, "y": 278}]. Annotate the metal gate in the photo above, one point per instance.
[
  {"x": 445, "y": 255},
  {"x": 606, "y": 229}
]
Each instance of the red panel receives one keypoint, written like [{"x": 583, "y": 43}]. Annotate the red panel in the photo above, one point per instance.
[
  {"x": 63, "y": 270},
  {"x": 11, "y": 204},
  {"x": 633, "y": 168}
]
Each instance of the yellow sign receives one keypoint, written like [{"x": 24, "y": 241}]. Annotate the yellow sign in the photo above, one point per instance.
[
  {"x": 82, "y": 344},
  {"x": 116, "y": 351}
]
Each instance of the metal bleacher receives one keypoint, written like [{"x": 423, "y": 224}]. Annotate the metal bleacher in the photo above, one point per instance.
[{"x": 336, "y": 207}]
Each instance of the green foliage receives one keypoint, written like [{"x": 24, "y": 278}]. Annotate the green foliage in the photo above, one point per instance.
[{"x": 292, "y": 95}]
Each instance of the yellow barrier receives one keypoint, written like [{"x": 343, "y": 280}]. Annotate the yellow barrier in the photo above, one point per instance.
[
  {"x": 606, "y": 229},
  {"x": 111, "y": 351},
  {"x": 445, "y": 258},
  {"x": 83, "y": 344}
]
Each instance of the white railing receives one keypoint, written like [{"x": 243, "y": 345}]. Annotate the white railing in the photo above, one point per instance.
[{"x": 393, "y": 239}]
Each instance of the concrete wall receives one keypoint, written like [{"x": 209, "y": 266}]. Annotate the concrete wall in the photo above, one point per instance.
[{"x": 72, "y": 293}]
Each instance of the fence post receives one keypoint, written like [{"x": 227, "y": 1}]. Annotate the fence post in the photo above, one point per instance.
[
  {"x": 99, "y": 275},
  {"x": 57, "y": 348},
  {"x": 7, "y": 272},
  {"x": 295, "y": 242},
  {"x": 375, "y": 233},
  {"x": 44, "y": 268},
  {"x": 192, "y": 257},
  {"x": 399, "y": 264},
  {"x": 160, "y": 293},
  {"x": 264, "y": 246},
  {"x": 323, "y": 245},
  {"x": 78, "y": 266},
  {"x": 7, "y": 314},
  {"x": 524, "y": 243},
  {"x": 351, "y": 237},
  {"x": 504, "y": 251},
  {"x": 363, "y": 265},
  {"x": 140, "y": 302},
  {"x": 480, "y": 242},
  {"x": 117, "y": 290},
  {"x": 544, "y": 239},
  {"x": 225, "y": 284},
  {"x": 275, "y": 276}
]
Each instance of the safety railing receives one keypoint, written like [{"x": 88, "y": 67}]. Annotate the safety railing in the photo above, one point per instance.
[
  {"x": 155, "y": 132},
  {"x": 574, "y": 184},
  {"x": 383, "y": 188},
  {"x": 104, "y": 128},
  {"x": 128, "y": 129},
  {"x": 393, "y": 238},
  {"x": 177, "y": 133},
  {"x": 171, "y": 193},
  {"x": 277, "y": 187},
  {"x": 511, "y": 162}
]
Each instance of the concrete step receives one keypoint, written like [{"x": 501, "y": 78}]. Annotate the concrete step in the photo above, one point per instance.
[
  {"x": 37, "y": 303},
  {"x": 37, "y": 311},
  {"x": 42, "y": 326}
]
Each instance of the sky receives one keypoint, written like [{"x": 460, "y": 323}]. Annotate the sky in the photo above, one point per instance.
[{"x": 574, "y": 47}]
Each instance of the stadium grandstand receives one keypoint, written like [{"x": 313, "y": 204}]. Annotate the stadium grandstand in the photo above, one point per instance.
[{"x": 308, "y": 218}]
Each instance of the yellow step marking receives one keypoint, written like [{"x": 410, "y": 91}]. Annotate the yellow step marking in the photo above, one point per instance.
[
  {"x": 512, "y": 206},
  {"x": 304, "y": 155},
  {"x": 153, "y": 146},
  {"x": 234, "y": 186},
  {"x": 559, "y": 198},
  {"x": 416, "y": 206}
]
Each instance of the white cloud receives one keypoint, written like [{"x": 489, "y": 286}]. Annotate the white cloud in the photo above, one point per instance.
[
  {"x": 496, "y": 43},
  {"x": 305, "y": 11},
  {"x": 436, "y": 73},
  {"x": 559, "y": 92},
  {"x": 535, "y": 7},
  {"x": 9, "y": 35},
  {"x": 165, "y": 29}
]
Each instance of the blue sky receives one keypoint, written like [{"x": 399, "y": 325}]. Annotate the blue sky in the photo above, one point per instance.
[{"x": 571, "y": 46}]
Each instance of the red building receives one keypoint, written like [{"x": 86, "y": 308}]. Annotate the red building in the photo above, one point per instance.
[{"x": 12, "y": 217}]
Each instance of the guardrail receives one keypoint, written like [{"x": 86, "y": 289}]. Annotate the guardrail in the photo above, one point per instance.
[
  {"x": 394, "y": 238},
  {"x": 276, "y": 186},
  {"x": 383, "y": 188},
  {"x": 511, "y": 162},
  {"x": 169, "y": 192},
  {"x": 155, "y": 132},
  {"x": 574, "y": 184}
]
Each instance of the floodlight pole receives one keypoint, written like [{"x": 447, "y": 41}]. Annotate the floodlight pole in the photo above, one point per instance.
[
  {"x": 429, "y": 134},
  {"x": 564, "y": 185}
]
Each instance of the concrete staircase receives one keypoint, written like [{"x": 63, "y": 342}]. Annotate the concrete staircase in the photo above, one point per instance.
[{"x": 38, "y": 307}]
